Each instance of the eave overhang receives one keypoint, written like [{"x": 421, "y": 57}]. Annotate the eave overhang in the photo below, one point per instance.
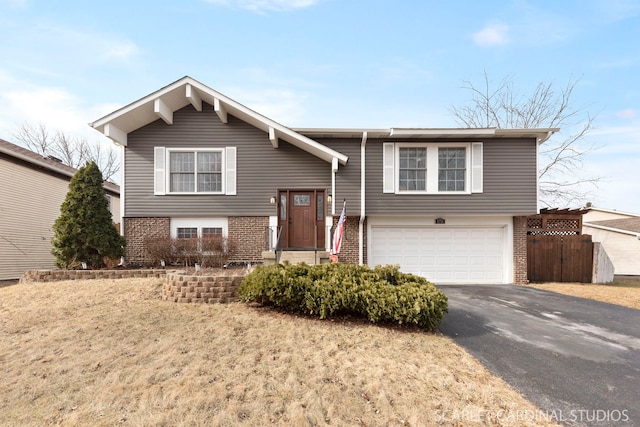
[
  {"x": 540, "y": 134},
  {"x": 162, "y": 103}
]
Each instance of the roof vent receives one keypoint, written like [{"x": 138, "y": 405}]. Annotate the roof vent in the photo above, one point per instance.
[{"x": 54, "y": 158}]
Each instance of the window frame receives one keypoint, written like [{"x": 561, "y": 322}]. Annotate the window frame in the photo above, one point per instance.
[
  {"x": 199, "y": 224},
  {"x": 433, "y": 167},
  {"x": 170, "y": 150}
]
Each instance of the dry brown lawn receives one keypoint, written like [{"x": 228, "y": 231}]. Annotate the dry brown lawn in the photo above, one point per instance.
[
  {"x": 111, "y": 352},
  {"x": 624, "y": 291}
]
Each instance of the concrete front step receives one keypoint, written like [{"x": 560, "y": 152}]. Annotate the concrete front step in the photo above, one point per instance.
[{"x": 295, "y": 257}]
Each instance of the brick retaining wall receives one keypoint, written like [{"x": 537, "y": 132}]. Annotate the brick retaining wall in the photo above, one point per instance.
[
  {"x": 178, "y": 286},
  {"x": 181, "y": 287},
  {"x": 58, "y": 275}
]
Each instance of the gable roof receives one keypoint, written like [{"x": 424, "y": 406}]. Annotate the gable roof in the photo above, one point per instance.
[
  {"x": 162, "y": 103},
  {"x": 48, "y": 164}
]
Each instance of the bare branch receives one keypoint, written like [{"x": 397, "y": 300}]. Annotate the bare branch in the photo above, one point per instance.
[
  {"x": 563, "y": 180},
  {"x": 72, "y": 151}
]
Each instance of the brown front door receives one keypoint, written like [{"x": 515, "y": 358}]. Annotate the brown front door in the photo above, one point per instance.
[{"x": 302, "y": 217}]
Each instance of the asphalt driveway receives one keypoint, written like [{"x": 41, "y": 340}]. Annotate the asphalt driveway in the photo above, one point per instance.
[{"x": 577, "y": 359}]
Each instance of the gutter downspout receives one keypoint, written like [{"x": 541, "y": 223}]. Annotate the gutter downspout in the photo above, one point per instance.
[
  {"x": 122, "y": 189},
  {"x": 334, "y": 169},
  {"x": 362, "y": 200}
]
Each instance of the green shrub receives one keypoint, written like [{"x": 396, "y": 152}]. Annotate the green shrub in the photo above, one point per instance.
[
  {"x": 383, "y": 294},
  {"x": 84, "y": 231}
]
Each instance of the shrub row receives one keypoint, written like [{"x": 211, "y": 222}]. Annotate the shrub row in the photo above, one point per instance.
[
  {"x": 205, "y": 251},
  {"x": 383, "y": 294}
]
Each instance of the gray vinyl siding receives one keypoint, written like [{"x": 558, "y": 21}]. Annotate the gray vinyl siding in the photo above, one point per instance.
[
  {"x": 509, "y": 170},
  {"x": 348, "y": 176},
  {"x": 261, "y": 169}
]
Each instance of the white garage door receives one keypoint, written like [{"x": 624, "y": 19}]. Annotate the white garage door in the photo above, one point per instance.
[{"x": 442, "y": 255}]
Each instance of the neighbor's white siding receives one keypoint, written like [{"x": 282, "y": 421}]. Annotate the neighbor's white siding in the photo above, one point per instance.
[
  {"x": 623, "y": 249},
  {"x": 29, "y": 204}
]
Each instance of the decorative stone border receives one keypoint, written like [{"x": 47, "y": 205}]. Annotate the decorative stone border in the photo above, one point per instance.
[
  {"x": 178, "y": 287},
  {"x": 58, "y": 275},
  {"x": 220, "y": 288}
]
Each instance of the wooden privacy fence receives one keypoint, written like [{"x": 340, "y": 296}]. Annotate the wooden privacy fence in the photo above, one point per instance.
[
  {"x": 559, "y": 258},
  {"x": 556, "y": 249}
]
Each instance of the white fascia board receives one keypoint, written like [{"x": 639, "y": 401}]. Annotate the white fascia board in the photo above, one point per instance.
[
  {"x": 101, "y": 122},
  {"x": 614, "y": 230},
  {"x": 613, "y": 211},
  {"x": 283, "y": 132},
  {"x": 542, "y": 134},
  {"x": 227, "y": 105},
  {"x": 406, "y": 132}
]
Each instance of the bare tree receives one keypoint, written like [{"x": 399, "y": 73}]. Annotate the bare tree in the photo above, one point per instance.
[
  {"x": 563, "y": 181},
  {"x": 72, "y": 151}
]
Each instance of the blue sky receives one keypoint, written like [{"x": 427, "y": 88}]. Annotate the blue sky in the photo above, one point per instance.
[{"x": 329, "y": 63}]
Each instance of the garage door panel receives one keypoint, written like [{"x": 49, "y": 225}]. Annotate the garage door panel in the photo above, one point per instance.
[{"x": 442, "y": 255}]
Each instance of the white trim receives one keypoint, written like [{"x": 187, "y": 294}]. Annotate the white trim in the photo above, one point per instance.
[
  {"x": 388, "y": 167},
  {"x": 230, "y": 175},
  {"x": 476, "y": 174},
  {"x": 504, "y": 222},
  {"x": 122, "y": 190},
  {"x": 115, "y": 134},
  {"x": 432, "y": 167},
  {"x": 193, "y": 97},
  {"x": 167, "y": 158},
  {"x": 612, "y": 211},
  {"x": 199, "y": 223},
  {"x": 220, "y": 110},
  {"x": 334, "y": 196},
  {"x": 328, "y": 224},
  {"x": 136, "y": 115},
  {"x": 163, "y": 111},
  {"x": 363, "y": 144},
  {"x": 614, "y": 230},
  {"x": 159, "y": 169}
]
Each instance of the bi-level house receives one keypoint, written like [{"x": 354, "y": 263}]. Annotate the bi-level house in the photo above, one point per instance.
[{"x": 448, "y": 204}]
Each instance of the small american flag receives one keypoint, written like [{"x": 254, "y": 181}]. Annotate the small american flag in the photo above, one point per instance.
[{"x": 339, "y": 231}]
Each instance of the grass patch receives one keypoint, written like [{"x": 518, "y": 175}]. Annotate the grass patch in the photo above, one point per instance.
[
  {"x": 624, "y": 291},
  {"x": 105, "y": 352}
]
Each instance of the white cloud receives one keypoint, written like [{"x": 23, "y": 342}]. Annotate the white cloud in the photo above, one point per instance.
[
  {"x": 55, "y": 107},
  {"x": 121, "y": 50},
  {"x": 629, "y": 113},
  {"x": 266, "y": 5},
  {"x": 492, "y": 35}
]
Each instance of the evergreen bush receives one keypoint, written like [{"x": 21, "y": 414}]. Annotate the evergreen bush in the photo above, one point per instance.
[
  {"x": 382, "y": 294},
  {"x": 84, "y": 231}
]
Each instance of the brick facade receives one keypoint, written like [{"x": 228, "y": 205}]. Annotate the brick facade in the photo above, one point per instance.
[
  {"x": 136, "y": 230},
  {"x": 249, "y": 234},
  {"x": 520, "y": 250},
  {"x": 349, "y": 252}
]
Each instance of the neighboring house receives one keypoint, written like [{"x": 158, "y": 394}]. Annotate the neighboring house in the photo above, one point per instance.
[
  {"x": 33, "y": 189},
  {"x": 448, "y": 204},
  {"x": 619, "y": 233}
]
